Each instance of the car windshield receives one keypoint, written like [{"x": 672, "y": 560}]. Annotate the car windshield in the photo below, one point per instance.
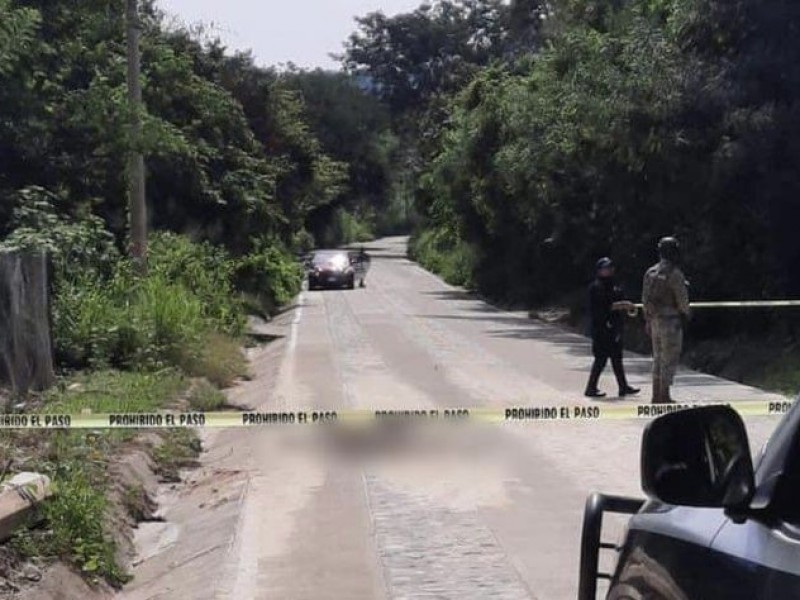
[{"x": 336, "y": 260}]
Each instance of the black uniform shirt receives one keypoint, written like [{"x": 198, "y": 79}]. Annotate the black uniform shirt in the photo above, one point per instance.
[{"x": 604, "y": 322}]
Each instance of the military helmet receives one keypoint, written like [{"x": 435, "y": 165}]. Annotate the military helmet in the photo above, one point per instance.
[{"x": 669, "y": 248}]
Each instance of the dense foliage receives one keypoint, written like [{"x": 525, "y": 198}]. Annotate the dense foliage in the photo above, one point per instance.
[
  {"x": 246, "y": 167},
  {"x": 236, "y": 154},
  {"x": 605, "y": 127}
]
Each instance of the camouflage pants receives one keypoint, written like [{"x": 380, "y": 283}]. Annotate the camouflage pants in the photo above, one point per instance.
[{"x": 667, "y": 336}]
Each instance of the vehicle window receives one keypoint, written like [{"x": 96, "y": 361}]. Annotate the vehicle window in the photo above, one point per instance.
[
  {"x": 329, "y": 258},
  {"x": 722, "y": 448}
]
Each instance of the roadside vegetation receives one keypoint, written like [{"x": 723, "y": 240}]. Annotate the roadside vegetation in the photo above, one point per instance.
[
  {"x": 539, "y": 136},
  {"x": 79, "y": 524},
  {"x": 248, "y": 167},
  {"x": 547, "y": 134},
  {"x": 452, "y": 258}
]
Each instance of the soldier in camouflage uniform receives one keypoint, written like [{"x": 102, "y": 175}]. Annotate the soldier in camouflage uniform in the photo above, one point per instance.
[{"x": 666, "y": 310}]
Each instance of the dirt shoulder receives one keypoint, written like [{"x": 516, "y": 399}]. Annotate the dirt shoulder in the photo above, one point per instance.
[
  {"x": 151, "y": 510},
  {"x": 133, "y": 482},
  {"x": 184, "y": 553}
]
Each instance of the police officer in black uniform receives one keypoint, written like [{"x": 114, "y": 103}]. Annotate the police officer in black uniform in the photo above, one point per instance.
[{"x": 606, "y": 307}]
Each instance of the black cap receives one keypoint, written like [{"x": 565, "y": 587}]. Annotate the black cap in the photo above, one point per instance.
[{"x": 604, "y": 263}]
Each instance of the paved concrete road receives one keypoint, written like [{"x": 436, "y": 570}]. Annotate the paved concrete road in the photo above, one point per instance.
[{"x": 467, "y": 513}]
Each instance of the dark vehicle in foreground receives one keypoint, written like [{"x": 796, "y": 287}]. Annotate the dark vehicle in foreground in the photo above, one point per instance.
[
  {"x": 713, "y": 527},
  {"x": 337, "y": 268}
]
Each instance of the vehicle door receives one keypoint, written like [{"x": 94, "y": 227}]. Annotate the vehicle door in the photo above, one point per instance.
[
  {"x": 666, "y": 554},
  {"x": 761, "y": 556}
]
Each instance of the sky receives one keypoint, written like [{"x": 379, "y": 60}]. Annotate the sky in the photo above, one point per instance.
[{"x": 301, "y": 31}]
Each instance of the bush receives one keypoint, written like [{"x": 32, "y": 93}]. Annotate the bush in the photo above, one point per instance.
[
  {"x": 270, "y": 274},
  {"x": 168, "y": 320},
  {"x": 303, "y": 242},
  {"x": 454, "y": 260},
  {"x": 76, "y": 516},
  {"x": 163, "y": 319},
  {"x": 86, "y": 322},
  {"x": 218, "y": 358},
  {"x": 206, "y": 397},
  {"x": 206, "y": 271},
  {"x": 346, "y": 228},
  {"x": 125, "y": 322},
  {"x": 73, "y": 245}
]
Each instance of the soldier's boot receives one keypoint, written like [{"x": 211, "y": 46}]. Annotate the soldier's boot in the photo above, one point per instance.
[
  {"x": 657, "y": 391},
  {"x": 661, "y": 392},
  {"x": 662, "y": 396},
  {"x": 667, "y": 399}
]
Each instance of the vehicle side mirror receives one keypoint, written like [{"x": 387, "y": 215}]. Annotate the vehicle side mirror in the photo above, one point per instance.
[{"x": 698, "y": 457}]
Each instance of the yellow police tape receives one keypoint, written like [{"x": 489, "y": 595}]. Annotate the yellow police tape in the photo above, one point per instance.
[
  {"x": 250, "y": 419},
  {"x": 730, "y": 304}
]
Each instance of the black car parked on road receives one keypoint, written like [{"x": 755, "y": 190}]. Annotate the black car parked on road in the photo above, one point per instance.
[
  {"x": 713, "y": 527},
  {"x": 337, "y": 268}
]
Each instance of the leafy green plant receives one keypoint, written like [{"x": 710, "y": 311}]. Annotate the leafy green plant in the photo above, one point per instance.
[
  {"x": 271, "y": 274},
  {"x": 218, "y": 358},
  {"x": 161, "y": 320},
  {"x": 74, "y": 245},
  {"x": 302, "y": 241},
  {"x": 76, "y": 516},
  {"x": 17, "y": 31},
  {"x": 179, "y": 450},
  {"x": 346, "y": 228},
  {"x": 205, "y": 270},
  {"x": 205, "y": 396},
  {"x": 171, "y": 319},
  {"x": 454, "y": 260}
]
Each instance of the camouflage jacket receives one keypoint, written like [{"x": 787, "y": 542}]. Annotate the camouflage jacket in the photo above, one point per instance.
[{"x": 664, "y": 291}]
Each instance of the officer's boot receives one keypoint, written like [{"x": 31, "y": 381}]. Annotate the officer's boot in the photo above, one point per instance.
[
  {"x": 594, "y": 376},
  {"x": 625, "y": 389},
  {"x": 658, "y": 391}
]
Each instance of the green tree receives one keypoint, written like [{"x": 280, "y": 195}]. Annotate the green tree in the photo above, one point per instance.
[
  {"x": 636, "y": 120},
  {"x": 412, "y": 57},
  {"x": 355, "y": 129}
]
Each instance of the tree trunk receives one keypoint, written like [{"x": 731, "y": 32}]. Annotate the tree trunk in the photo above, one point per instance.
[{"x": 25, "y": 344}]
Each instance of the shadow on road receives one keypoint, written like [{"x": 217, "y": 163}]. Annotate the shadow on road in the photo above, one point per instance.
[
  {"x": 543, "y": 333},
  {"x": 261, "y": 337},
  {"x": 562, "y": 340},
  {"x": 382, "y": 256},
  {"x": 454, "y": 295},
  {"x": 487, "y": 319}
]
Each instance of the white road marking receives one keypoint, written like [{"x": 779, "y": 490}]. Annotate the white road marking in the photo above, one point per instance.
[
  {"x": 248, "y": 536},
  {"x": 295, "y": 325}
]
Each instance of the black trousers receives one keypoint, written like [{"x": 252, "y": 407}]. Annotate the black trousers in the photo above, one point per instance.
[{"x": 605, "y": 348}]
